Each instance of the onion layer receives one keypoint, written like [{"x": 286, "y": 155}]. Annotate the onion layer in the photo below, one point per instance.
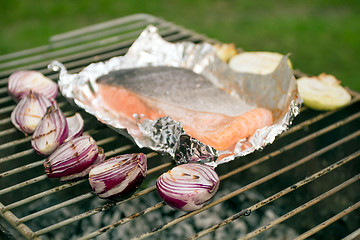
[
  {"x": 51, "y": 132},
  {"x": 22, "y": 82},
  {"x": 100, "y": 158},
  {"x": 76, "y": 126},
  {"x": 119, "y": 176},
  {"x": 29, "y": 111},
  {"x": 256, "y": 62},
  {"x": 72, "y": 157},
  {"x": 188, "y": 187},
  {"x": 323, "y": 92}
]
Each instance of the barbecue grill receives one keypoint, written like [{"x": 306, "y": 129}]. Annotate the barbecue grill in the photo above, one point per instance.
[{"x": 308, "y": 178}]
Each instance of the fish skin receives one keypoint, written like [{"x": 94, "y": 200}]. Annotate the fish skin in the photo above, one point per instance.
[
  {"x": 178, "y": 86},
  {"x": 128, "y": 94}
]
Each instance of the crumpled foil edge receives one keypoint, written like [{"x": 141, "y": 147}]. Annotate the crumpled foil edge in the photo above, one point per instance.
[{"x": 268, "y": 135}]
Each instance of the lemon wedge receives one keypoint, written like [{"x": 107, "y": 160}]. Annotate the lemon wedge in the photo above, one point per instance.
[
  {"x": 256, "y": 62},
  {"x": 323, "y": 92}
]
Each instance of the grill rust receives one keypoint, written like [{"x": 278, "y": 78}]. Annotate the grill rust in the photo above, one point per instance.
[{"x": 311, "y": 164}]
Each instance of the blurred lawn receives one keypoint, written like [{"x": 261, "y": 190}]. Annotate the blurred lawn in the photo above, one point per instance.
[{"x": 321, "y": 35}]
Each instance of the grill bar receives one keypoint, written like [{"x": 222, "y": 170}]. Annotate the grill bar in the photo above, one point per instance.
[
  {"x": 273, "y": 154},
  {"x": 262, "y": 180},
  {"x": 40, "y": 162},
  {"x": 302, "y": 207},
  {"x": 290, "y": 146},
  {"x": 15, "y": 142},
  {"x": 15, "y": 156},
  {"x": 126, "y": 21},
  {"x": 20, "y": 169},
  {"x": 74, "y": 49},
  {"x": 280, "y": 194},
  {"x": 58, "y": 206},
  {"x": 23, "y": 184},
  {"x": 91, "y": 212},
  {"x": 113, "y": 31},
  {"x": 6, "y": 109},
  {"x": 38, "y": 196},
  {"x": 10, "y": 108},
  {"x": 353, "y": 235},
  {"x": 285, "y": 148},
  {"x": 90, "y": 53},
  {"x": 5, "y": 99},
  {"x": 53, "y": 190},
  {"x": 99, "y": 43},
  {"x": 122, "y": 221},
  {"x": 329, "y": 221},
  {"x": 35, "y": 164},
  {"x": 104, "y": 207},
  {"x": 21, "y": 228}
]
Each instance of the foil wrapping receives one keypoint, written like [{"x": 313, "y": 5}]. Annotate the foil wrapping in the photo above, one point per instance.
[{"x": 275, "y": 91}]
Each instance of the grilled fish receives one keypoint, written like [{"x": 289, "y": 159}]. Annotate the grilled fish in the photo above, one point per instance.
[{"x": 207, "y": 112}]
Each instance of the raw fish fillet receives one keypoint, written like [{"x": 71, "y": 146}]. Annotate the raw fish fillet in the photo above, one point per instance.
[{"x": 207, "y": 113}]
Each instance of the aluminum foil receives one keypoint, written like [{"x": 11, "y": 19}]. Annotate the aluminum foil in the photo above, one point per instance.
[{"x": 276, "y": 91}]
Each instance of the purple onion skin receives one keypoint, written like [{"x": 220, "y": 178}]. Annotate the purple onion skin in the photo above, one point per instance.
[
  {"x": 72, "y": 157},
  {"x": 85, "y": 173},
  {"x": 29, "y": 111},
  {"x": 188, "y": 187},
  {"x": 118, "y": 177},
  {"x": 22, "y": 82},
  {"x": 52, "y": 129}
]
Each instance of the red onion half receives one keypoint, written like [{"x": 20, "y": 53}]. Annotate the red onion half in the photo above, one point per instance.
[
  {"x": 51, "y": 132},
  {"x": 119, "y": 176},
  {"x": 72, "y": 157},
  {"x": 22, "y": 82},
  {"x": 188, "y": 187},
  {"x": 29, "y": 111},
  {"x": 100, "y": 158}
]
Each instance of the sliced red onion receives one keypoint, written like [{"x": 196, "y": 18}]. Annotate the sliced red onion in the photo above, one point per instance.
[
  {"x": 188, "y": 187},
  {"x": 29, "y": 111},
  {"x": 72, "y": 157},
  {"x": 119, "y": 176},
  {"x": 51, "y": 132},
  {"x": 22, "y": 82},
  {"x": 76, "y": 125},
  {"x": 100, "y": 158}
]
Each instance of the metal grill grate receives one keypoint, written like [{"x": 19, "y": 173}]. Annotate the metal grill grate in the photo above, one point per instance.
[{"x": 310, "y": 172}]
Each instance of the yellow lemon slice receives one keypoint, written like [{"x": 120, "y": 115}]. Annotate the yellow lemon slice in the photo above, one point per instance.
[
  {"x": 323, "y": 92},
  {"x": 256, "y": 62}
]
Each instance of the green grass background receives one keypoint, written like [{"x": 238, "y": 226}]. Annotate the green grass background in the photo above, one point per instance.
[{"x": 320, "y": 35}]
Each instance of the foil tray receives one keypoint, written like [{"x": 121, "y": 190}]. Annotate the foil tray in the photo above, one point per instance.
[{"x": 275, "y": 91}]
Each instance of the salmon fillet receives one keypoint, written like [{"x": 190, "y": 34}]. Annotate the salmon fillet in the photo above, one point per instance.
[{"x": 126, "y": 95}]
